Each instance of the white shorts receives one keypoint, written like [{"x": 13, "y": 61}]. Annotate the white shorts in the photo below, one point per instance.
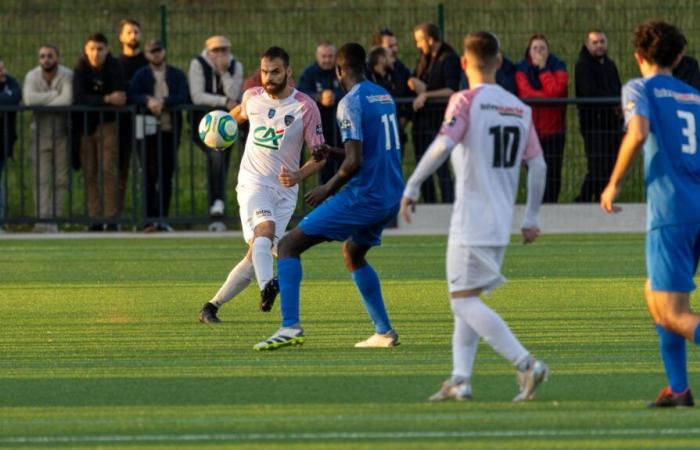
[
  {"x": 258, "y": 204},
  {"x": 470, "y": 267}
]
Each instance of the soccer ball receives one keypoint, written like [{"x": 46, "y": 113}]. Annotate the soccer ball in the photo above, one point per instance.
[{"x": 218, "y": 130}]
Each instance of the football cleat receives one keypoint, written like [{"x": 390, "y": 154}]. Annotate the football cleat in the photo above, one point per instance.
[
  {"x": 450, "y": 390},
  {"x": 268, "y": 294},
  {"x": 389, "y": 339},
  {"x": 283, "y": 337},
  {"x": 667, "y": 399},
  {"x": 208, "y": 313},
  {"x": 530, "y": 379}
]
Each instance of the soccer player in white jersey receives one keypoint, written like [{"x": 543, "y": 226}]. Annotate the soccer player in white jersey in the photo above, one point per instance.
[
  {"x": 489, "y": 133},
  {"x": 281, "y": 120}
]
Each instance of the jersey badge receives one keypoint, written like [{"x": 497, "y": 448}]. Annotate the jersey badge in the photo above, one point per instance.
[
  {"x": 271, "y": 113},
  {"x": 288, "y": 119}
]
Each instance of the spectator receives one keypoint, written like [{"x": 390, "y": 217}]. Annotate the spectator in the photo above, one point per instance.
[
  {"x": 687, "y": 71},
  {"x": 132, "y": 59},
  {"x": 542, "y": 75},
  {"x": 436, "y": 76},
  {"x": 10, "y": 95},
  {"x": 215, "y": 79},
  {"x": 98, "y": 81},
  {"x": 601, "y": 124},
  {"x": 49, "y": 84},
  {"x": 159, "y": 87},
  {"x": 505, "y": 77},
  {"x": 319, "y": 82}
]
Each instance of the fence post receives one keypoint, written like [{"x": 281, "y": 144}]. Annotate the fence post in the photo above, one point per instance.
[
  {"x": 164, "y": 25},
  {"x": 441, "y": 20}
]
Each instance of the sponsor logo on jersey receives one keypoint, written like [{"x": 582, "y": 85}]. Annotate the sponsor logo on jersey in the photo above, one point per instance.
[
  {"x": 271, "y": 113},
  {"x": 451, "y": 122},
  {"x": 503, "y": 110},
  {"x": 319, "y": 129},
  {"x": 682, "y": 97},
  {"x": 345, "y": 124},
  {"x": 380, "y": 98},
  {"x": 629, "y": 106},
  {"x": 263, "y": 213},
  {"x": 268, "y": 137},
  {"x": 288, "y": 119}
]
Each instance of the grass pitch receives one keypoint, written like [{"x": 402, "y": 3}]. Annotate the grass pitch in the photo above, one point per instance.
[{"x": 101, "y": 348}]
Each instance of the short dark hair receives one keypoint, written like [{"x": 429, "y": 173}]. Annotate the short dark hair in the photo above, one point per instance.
[
  {"x": 276, "y": 52},
  {"x": 374, "y": 54},
  {"x": 379, "y": 34},
  {"x": 125, "y": 22},
  {"x": 97, "y": 37},
  {"x": 429, "y": 29},
  {"x": 352, "y": 56},
  {"x": 484, "y": 45},
  {"x": 658, "y": 42},
  {"x": 52, "y": 47}
]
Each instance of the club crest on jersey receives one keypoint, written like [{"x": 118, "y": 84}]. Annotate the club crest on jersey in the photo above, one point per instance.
[
  {"x": 271, "y": 113},
  {"x": 288, "y": 119},
  {"x": 345, "y": 124}
]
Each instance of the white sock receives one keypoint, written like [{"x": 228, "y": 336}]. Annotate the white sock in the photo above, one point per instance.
[
  {"x": 464, "y": 344},
  {"x": 238, "y": 279},
  {"x": 262, "y": 260},
  {"x": 491, "y": 327}
]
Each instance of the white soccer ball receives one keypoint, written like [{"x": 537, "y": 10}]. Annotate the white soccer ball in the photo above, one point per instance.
[{"x": 218, "y": 130}]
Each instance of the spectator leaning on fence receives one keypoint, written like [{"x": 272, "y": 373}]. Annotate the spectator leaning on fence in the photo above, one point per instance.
[
  {"x": 601, "y": 124},
  {"x": 98, "y": 81},
  {"x": 542, "y": 75},
  {"x": 319, "y": 82},
  {"x": 436, "y": 76},
  {"x": 10, "y": 95},
  {"x": 49, "y": 84},
  {"x": 215, "y": 79},
  {"x": 158, "y": 87}
]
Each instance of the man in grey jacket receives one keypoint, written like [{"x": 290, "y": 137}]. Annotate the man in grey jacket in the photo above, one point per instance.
[
  {"x": 215, "y": 80},
  {"x": 49, "y": 84}
]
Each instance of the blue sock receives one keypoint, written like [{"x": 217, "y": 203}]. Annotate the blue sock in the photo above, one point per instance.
[
  {"x": 289, "y": 274},
  {"x": 696, "y": 336},
  {"x": 367, "y": 282},
  {"x": 674, "y": 357}
]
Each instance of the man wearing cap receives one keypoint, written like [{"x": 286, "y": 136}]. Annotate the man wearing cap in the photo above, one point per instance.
[
  {"x": 158, "y": 87},
  {"x": 215, "y": 80}
]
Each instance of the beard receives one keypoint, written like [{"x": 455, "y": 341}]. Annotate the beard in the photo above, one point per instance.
[
  {"x": 275, "y": 88},
  {"x": 50, "y": 68},
  {"x": 133, "y": 45}
]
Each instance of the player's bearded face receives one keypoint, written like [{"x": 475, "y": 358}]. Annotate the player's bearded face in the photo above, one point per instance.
[{"x": 273, "y": 75}]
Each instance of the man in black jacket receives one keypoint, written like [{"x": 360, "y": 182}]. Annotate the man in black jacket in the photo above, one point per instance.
[
  {"x": 436, "y": 77},
  {"x": 601, "y": 123},
  {"x": 98, "y": 80},
  {"x": 687, "y": 71}
]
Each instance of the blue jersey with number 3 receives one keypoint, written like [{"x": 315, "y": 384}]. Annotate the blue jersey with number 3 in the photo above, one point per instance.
[
  {"x": 368, "y": 114},
  {"x": 671, "y": 154}
]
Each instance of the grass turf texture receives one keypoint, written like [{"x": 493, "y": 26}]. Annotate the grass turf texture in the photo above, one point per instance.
[{"x": 100, "y": 347}]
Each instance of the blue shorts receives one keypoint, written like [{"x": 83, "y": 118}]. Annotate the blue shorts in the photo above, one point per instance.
[
  {"x": 341, "y": 217},
  {"x": 673, "y": 252}
]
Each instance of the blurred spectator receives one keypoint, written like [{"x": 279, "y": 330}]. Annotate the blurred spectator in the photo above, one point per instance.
[
  {"x": 542, "y": 75},
  {"x": 10, "y": 95},
  {"x": 687, "y": 71},
  {"x": 601, "y": 124},
  {"x": 320, "y": 83},
  {"x": 215, "y": 80},
  {"x": 49, "y": 84},
  {"x": 98, "y": 81},
  {"x": 132, "y": 59},
  {"x": 505, "y": 77},
  {"x": 436, "y": 76},
  {"x": 159, "y": 87}
]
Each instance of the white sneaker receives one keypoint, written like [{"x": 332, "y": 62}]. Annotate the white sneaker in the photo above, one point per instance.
[
  {"x": 530, "y": 380},
  {"x": 217, "y": 208},
  {"x": 390, "y": 339},
  {"x": 450, "y": 390},
  {"x": 217, "y": 226}
]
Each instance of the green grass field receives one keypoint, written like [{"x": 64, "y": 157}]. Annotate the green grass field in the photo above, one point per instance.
[{"x": 101, "y": 348}]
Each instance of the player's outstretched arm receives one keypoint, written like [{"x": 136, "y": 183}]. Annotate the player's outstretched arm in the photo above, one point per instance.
[
  {"x": 350, "y": 166},
  {"x": 637, "y": 132},
  {"x": 238, "y": 114},
  {"x": 536, "y": 181},
  {"x": 289, "y": 178}
]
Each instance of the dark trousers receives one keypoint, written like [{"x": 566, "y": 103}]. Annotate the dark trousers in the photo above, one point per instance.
[
  {"x": 422, "y": 138},
  {"x": 601, "y": 148},
  {"x": 158, "y": 156},
  {"x": 217, "y": 168},
  {"x": 331, "y": 134},
  {"x": 126, "y": 141},
  {"x": 553, "y": 149}
]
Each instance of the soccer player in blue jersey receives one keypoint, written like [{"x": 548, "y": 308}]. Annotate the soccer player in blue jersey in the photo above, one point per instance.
[
  {"x": 662, "y": 115},
  {"x": 354, "y": 206}
]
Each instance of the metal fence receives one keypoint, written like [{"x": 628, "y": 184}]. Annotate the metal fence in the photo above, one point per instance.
[{"x": 25, "y": 191}]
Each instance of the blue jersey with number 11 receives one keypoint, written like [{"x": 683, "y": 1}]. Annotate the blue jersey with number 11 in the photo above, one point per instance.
[
  {"x": 368, "y": 114},
  {"x": 671, "y": 157}
]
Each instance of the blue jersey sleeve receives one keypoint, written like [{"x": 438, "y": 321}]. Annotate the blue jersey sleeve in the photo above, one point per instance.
[
  {"x": 350, "y": 118},
  {"x": 634, "y": 100}
]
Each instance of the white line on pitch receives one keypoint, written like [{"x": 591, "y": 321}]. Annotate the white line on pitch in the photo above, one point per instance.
[{"x": 339, "y": 436}]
